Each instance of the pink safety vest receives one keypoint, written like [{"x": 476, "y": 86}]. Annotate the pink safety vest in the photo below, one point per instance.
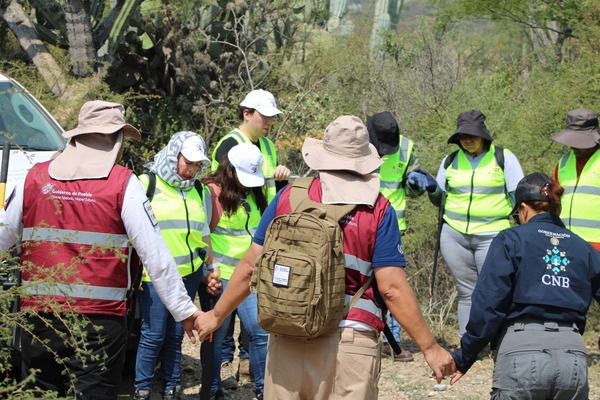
[{"x": 75, "y": 226}]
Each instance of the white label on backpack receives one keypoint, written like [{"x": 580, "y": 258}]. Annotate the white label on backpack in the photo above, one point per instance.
[{"x": 281, "y": 275}]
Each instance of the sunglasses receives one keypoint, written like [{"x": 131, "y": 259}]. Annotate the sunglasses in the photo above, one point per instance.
[{"x": 515, "y": 216}]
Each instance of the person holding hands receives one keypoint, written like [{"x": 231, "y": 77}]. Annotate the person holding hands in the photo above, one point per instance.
[{"x": 345, "y": 363}]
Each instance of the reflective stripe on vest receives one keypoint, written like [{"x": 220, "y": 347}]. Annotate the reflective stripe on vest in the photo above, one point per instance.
[
  {"x": 104, "y": 240},
  {"x": 391, "y": 174},
  {"x": 181, "y": 219},
  {"x": 364, "y": 268},
  {"x": 230, "y": 240},
  {"x": 267, "y": 148},
  {"x": 78, "y": 237},
  {"x": 75, "y": 290},
  {"x": 581, "y": 200},
  {"x": 476, "y": 200}
]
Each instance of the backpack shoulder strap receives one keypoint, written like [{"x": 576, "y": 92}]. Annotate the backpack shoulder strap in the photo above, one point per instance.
[
  {"x": 205, "y": 198},
  {"x": 300, "y": 201},
  {"x": 499, "y": 155},
  {"x": 357, "y": 295},
  {"x": 447, "y": 163},
  {"x": 151, "y": 185},
  {"x": 449, "y": 159},
  {"x": 199, "y": 188}
]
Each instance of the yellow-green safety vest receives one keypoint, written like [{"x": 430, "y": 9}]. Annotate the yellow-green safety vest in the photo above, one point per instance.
[
  {"x": 476, "y": 200},
  {"x": 391, "y": 174},
  {"x": 233, "y": 236},
  {"x": 181, "y": 219},
  {"x": 267, "y": 148},
  {"x": 581, "y": 200}
]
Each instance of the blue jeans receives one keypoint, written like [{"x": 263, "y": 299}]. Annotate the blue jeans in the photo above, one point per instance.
[
  {"x": 228, "y": 348},
  {"x": 247, "y": 311},
  {"x": 394, "y": 327},
  {"x": 159, "y": 331}
]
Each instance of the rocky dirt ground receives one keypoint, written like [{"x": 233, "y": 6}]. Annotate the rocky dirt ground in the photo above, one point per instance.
[{"x": 399, "y": 381}]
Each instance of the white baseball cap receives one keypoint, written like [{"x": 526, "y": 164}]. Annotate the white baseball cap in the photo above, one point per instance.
[
  {"x": 247, "y": 160},
  {"x": 261, "y": 101},
  {"x": 194, "y": 149}
]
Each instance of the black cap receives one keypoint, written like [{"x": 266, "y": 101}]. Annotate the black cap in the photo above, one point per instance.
[
  {"x": 530, "y": 189},
  {"x": 471, "y": 123},
  {"x": 384, "y": 132}
]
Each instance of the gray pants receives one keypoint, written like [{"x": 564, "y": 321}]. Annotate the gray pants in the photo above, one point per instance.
[
  {"x": 539, "y": 361},
  {"x": 464, "y": 255}
]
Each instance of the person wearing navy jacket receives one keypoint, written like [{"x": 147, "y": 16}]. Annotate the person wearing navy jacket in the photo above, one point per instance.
[{"x": 531, "y": 300}]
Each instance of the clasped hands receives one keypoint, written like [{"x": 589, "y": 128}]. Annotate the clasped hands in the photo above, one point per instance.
[{"x": 204, "y": 323}]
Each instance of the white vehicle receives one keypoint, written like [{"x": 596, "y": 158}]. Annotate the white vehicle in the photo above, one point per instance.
[
  {"x": 33, "y": 133},
  {"x": 34, "y": 136}
]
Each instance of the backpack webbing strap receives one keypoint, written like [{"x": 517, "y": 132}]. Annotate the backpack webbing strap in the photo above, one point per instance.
[
  {"x": 357, "y": 295},
  {"x": 300, "y": 201}
]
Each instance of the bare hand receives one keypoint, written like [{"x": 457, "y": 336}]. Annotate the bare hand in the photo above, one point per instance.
[
  {"x": 456, "y": 377},
  {"x": 441, "y": 362},
  {"x": 213, "y": 283},
  {"x": 189, "y": 323},
  {"x": 281, "y": 173},
  {"x": 206, "y": 324}
]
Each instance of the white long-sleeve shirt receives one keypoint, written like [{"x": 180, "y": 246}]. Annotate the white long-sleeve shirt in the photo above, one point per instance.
[{"x": 144, "y": 235}]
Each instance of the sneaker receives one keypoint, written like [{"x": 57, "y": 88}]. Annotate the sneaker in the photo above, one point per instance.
[
  {"x": 174, "y": 394},
  {"x": 258, "y": 396},
  {"x": 142, "y": 394},
  {"x": 228, "y": 379},
  {"x": 404, "y": 356},
  {"x": 244, "y": 367}
]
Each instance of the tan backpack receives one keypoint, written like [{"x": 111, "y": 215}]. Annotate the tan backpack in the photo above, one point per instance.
[{"x": 299, "y": 278}]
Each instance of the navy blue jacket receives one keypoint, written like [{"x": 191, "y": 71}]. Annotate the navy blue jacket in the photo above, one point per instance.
[{"x": 538, "y": 270}]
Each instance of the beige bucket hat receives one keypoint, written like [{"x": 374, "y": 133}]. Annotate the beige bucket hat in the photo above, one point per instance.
[
  {"x": 94, "y": 145},
  {"x": 100, "y": 116},
  {"x": 346, "y": 161}
]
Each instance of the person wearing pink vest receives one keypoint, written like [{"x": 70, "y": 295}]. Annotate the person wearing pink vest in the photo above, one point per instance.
[
  {"x": 78, "y": 218},
  {"x": 344, "y": 364}
]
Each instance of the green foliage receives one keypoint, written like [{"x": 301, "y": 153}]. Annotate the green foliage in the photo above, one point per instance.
[
  {"x": 121, "y": 24},
  {"x": 18, "y": 321},
  {"x": 186, "y": 65}
]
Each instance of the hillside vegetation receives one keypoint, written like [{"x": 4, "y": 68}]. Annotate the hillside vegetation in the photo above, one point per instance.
[{"x": 186, "y": 64}]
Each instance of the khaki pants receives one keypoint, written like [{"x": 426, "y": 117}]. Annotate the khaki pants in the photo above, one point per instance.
[{"x": 344, "y": 364}]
